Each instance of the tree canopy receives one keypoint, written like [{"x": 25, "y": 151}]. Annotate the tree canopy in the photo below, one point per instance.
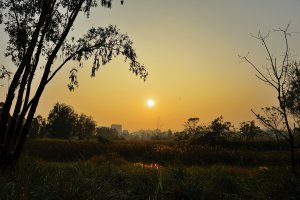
[
  {"x": 61, "y": 121},
  {"x": 85, "y": 126},
  {"x": 220, "y": 127}
]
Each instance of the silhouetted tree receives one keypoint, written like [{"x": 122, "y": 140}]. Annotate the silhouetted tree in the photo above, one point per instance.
[
  {"x": 61, "y": 121},
  {"x": 293, "y": 91},
  {"x": 219, "y": 127},
  {"x": 38, "y": 33},
  {"x": 38, "y": 127},
  {"x": 85, "y": 126},
  {"x": 107, "y": 133},
  {"x": 191, "y": 126},
  {"x": 249, "y": 129},
  {"x": 169, "y": 133},
  {"x": 277, "y": 76}
]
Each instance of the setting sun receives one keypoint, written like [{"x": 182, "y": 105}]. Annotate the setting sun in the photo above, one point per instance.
[{"x": 150, "y": 103}]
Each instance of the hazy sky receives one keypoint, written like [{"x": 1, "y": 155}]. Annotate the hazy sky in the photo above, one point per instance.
[{"x": 191, "y": 51}]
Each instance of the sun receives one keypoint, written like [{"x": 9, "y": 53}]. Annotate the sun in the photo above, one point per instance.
[{"x": 150, "y": 103}]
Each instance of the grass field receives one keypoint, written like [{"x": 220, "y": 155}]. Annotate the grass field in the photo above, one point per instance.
[{"x": 58, "y": 169}]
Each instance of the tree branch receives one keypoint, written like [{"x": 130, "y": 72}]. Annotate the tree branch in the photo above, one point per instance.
[
  {"x": 263, "y": 77},
  {"x": 267, "y": 124},
  {"x": 285, "y": 59}
]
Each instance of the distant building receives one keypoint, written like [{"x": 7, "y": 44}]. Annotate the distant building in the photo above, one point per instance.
[{"x": 117, "y": 127}]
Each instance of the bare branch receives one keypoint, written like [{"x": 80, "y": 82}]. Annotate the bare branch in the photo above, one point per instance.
[
  {"x": 285, "y": 61},
  {"x": 263, "y": 77},
  {"x": 270, "y": 76},
  {"x": 259, "y": 36},
  {"x": 278, "y": 110},
  {"x": 268, "y": 125}
]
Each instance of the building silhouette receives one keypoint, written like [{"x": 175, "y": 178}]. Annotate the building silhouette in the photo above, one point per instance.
[{"x": 117, "y": 127}]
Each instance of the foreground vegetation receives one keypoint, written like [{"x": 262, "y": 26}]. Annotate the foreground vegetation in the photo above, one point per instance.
[
  {"x": 120, "y": 180},
  {"x": 60, "y": 169},
  {"x": 164, "y": 152}
]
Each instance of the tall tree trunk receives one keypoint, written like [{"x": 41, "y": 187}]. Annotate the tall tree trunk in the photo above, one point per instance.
[
  {"x": 24, "y": 132},
  {"x": 44, "y": 80},
  {"x": 15, "y": 81},
  {"x": 16, "y": 115}
]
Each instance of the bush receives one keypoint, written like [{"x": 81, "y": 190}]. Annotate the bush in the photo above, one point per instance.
[{"x": 103, "y": 140}]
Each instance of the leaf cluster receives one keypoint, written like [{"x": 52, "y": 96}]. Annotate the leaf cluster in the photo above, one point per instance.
[
  {"x": 102, "y": 44},
  {"x": 293, "y": 93},
  {"x": 21, "y": 18},
  {"x": 4, "y": 72}
]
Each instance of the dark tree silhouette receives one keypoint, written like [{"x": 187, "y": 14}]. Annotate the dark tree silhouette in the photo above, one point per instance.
[
  {"x": 61, "y": 121},
  {"x": 191, "y": 126},
  {"x": 38, "y": 127},
  {"x": 85, "y": 126},
  {"x": 277, "y": 75},
  {"x": 107, "y": 133},
  {"x": 249, "y": 129},
  {"x": 293, "y": 92},
  {"x": 219, "y": 127},
  {"x": 38, "y": 33}
]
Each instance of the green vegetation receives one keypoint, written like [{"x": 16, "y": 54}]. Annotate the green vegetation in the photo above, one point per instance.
[{"x": 61, "y": 169}]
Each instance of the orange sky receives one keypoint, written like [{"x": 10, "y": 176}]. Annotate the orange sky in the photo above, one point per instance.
[{"x": 191, "y": 51}]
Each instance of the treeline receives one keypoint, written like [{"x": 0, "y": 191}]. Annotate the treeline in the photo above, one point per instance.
[
  {"x": 63, "y": 122},
  {"x": 217, "y": 130},
  {"x": 220, "y": 129}
]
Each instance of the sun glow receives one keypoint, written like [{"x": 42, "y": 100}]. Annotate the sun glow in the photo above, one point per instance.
[{"x": 150, "y": 103}]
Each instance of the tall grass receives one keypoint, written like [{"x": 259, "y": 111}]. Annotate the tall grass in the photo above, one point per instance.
[
  {"x": 163, "y": 152},
  {"x": 35, "y": 179},
  {"x": 58, "y": 169}
]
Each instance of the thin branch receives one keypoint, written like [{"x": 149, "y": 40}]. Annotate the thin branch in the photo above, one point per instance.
[
  {"x": 278, "y": 110},
  {"x": 91, "y": 48},
  {"x": 285, "y": 60},
  {"x": 271, "y": 78},
  {"x": 264, "y": 78},
  {"x": 59, "y": 68},
  {"x": 270, "y": 57},
  {"x": 262, "y": 39},
  {"x": 267, "y": 124}
]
